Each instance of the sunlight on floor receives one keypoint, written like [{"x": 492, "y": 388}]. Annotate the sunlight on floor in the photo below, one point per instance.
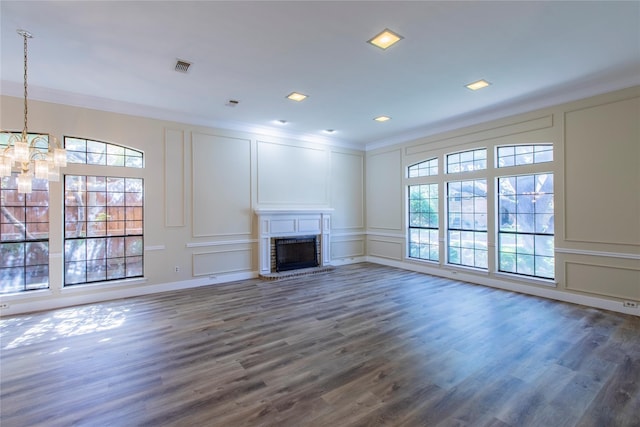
[{"x": 64, "y": 323}]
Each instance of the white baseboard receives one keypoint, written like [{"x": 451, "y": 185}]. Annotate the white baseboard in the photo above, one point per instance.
[
  {"x": 540, "y": 291},
  {"x": 48, "y": 300},
  {"x": 29, "y": 302}
]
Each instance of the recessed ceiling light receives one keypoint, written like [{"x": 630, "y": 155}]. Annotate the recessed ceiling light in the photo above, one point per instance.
[
  {"x": 382, "y": 118},
  {"x": 329, "y": 130},
  {"x": 281, "y": 122},
  {"x": 385, "y": 39},
  {"x": 478, "y": 85},
  {"x": 295, "y": 96}
]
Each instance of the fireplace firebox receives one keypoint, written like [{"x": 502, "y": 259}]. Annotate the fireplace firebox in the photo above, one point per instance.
[{"x": 293, "y": 253}]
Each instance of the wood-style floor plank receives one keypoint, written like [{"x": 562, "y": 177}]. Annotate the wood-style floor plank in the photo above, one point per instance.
[{"x": 360, "y": 345}]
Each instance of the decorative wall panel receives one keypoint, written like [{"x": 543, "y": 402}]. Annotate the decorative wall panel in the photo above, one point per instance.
[
  {"x": 602, "y": 173},
  {"x": 292, "y": 175},
  {"x": 221, "y": 262},
  {"x": 174, "y": 189},
  {"x": 221, "y": 185}
]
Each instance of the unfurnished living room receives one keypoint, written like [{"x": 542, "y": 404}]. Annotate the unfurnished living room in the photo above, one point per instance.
[{"x": 319, "y": 213}]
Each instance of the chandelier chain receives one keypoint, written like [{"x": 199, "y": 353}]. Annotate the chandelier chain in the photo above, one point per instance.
[{"x": 24, "y": 130}]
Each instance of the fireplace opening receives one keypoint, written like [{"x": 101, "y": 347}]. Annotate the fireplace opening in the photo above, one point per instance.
[{"x": 293, "y": 253}]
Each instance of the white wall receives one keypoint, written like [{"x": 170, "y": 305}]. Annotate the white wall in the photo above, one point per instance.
[
  {"x": 597, "y": 197},
  {"x": 202, "y": 185},
  {"x": 201, "y": 188}
]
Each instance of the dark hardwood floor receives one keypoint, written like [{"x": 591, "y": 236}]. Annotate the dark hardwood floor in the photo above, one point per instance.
[{"x": 362, "y": 345}]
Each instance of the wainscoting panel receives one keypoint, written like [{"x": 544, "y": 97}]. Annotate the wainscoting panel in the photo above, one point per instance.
[
  {"x": 603, "y": 280},
  {"x": 221, "y": 262},
  {"x": 221, "y": 186},
  {"x": 174, "y": 189},
  {"x": 385, "y": 249},
  {"x": 347, "y": 248}
]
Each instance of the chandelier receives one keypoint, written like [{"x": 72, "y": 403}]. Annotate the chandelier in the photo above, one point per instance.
[{"x": 35, "y": 156}]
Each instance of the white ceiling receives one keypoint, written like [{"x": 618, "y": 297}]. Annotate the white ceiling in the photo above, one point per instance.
[{"x": 120, "y": 56}]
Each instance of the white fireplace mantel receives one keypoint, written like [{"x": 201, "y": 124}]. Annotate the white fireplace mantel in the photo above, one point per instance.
[{"x": 293, "y": 222}]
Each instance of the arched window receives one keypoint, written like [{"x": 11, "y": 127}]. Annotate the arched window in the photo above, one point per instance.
[
  {"x": 91, "y": 152},
  {"x": 426, "y": 168},
  {"x": 103, "y": 215}
]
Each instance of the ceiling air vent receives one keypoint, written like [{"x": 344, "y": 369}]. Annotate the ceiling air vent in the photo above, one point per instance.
[{"x": 182, "y": 66}]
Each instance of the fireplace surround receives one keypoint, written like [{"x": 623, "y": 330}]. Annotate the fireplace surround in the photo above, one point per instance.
[{"x": 289, "y": 223}]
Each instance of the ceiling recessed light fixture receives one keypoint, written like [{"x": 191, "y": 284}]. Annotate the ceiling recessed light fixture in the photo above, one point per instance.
[
  {"x": 478, "y": 85},
  {"x": 385, "y": 39},
  {"x": 329, "y": 130},
  {"x": 296, "y": 96},
  {"x": 382, "y": 118},
  {"x": 281, "y": 122}
]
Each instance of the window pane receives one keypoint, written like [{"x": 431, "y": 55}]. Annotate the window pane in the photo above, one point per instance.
[
  {"x": 507, "y": 243},
  {"x": 75, "y": 272},
  {"x": 36, "y": 253},
  {"x": 75, "y": 250},
  {"x": 426, "y": 168},
  {"x": 76, "y": 157},
  {"x": 12, "y": 280},
  {"x": 115, "y": 184},
  {"x": 531, "y": 240},
  {"x": 115, "y": 247},
  {"x": 96, "y": 249},
  {"x": 545, "y": 267},
  {"x": 11, "y": 255},
  {"x": 96, "y": 271},
  {"x": 96, "y": 147},
  {"x": 37, "y": 277},
  {"x": 423, "y": 221},
  {"x": 75, "y": 144},
  {"x": 134, "y": 266},
  {"x": 467, "y": 161},
  {"x": 102, "y": 153},
  {"x": 116, "y": 268},
  {"x": 516, "y": 155},
  {"x": 115, "y": 149},
  {"x": 115, "y": 160},
  {"x": 469, "y": 246}
]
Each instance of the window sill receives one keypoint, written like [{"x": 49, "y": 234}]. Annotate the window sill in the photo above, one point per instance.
[
  {"x": 455, "y": 268},
  {"x": 70, "y": 289},
  {"x": 527, "y": 279},
  {"x": 17, "y": 296}
]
